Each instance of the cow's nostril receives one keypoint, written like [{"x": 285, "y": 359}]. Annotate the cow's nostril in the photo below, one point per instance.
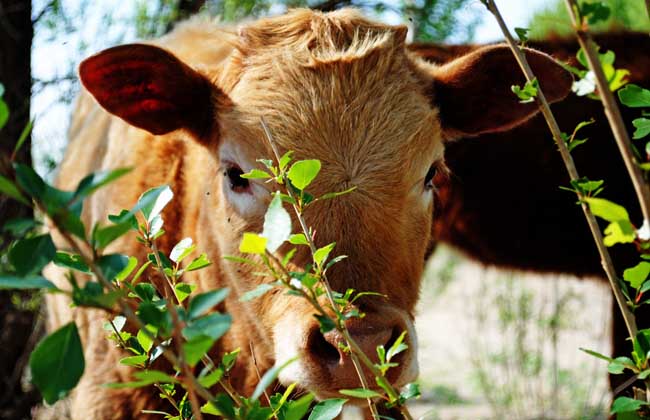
[{"x": 322, "y": 349}]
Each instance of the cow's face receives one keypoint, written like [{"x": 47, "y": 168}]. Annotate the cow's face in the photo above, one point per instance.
[{"x": 343, "y": 90}]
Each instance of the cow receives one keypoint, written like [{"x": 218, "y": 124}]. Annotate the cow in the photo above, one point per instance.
[
  {"x": 502, "y": 205},
  {"x": 185, "y": 111}
]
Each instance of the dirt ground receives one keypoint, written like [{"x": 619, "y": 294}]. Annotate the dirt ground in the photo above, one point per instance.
[{"x": 499, "y": 345}]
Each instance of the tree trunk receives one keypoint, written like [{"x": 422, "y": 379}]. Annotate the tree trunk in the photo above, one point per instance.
[{"x": 16, "y": 325}]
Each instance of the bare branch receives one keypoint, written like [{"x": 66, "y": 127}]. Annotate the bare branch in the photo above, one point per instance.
[{"x": 545, "y": 109}]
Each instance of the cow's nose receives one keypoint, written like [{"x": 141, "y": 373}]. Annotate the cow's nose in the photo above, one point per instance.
[{"x": 329, "y": 351}]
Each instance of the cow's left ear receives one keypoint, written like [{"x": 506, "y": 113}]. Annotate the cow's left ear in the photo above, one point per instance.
[
  {"x": 151, "y": 89},
  {"x": 474, "y": 95}
]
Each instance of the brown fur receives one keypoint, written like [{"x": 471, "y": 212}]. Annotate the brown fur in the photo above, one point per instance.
[{"x": 334, "y": 87}]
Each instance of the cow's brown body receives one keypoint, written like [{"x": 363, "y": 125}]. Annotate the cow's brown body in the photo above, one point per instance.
[
  {"x": 335, "y": 87},
  {"x": 502, "y": 203}
]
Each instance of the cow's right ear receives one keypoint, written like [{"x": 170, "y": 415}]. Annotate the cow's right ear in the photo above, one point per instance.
[{"x": 151, "y": 89}]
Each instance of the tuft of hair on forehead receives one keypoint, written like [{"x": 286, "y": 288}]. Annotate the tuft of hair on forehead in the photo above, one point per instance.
[{"x": 318, "y": 37}]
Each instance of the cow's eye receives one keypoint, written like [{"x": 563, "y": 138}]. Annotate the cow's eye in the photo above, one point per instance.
[
  {"x": 237, "y": 184},
  {"x": 431, "y": 174}
]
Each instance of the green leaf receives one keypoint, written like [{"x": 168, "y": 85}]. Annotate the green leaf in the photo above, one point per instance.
[
  {"x": 285, "y": 159},
  {"x": 303, "y": 172},
  {"x": 183, "y": 291},
  {"x": 102, "y": 236},
  {"x": 255, "y": 174},
  {"x": 269, "y": 377},
  {"x": 207, "y": 381},
  {"x": 150, "y": 314},
  {"x": 209, "y": 408},
  {"x": 71, "y": 261},
  {"x": 586, "y": 186},
  {"x": 196, "y": 348},
  {"x": 256, "y": 292},
  {"x": 410, "y": 391},
  {"x": 9, "y": 189},
  {"x": 325, "y": 323},
  {"x": 638, "y": 274},
  {"x": 625, "y": 404},
  {"x": 360, "y": 393},
  {"x": 181, "y": 250},
  {"x": 131, "y": 264},
  {"x": 528, "y": 93},
  {"x": 112, "y": 265},
  {"x": 397, "y": 347},
  {"x": 19, "y": 226},
  {"x": 94, "y": 181},
  {"x": 277, "y": 225},
  {"x": 4, "y": 113},
  {"x": 153, "y": 201},
  {"x": 327, "y": 409},
  {"x": 154, "y": 376},
  {"x": 618, "y": 365},
  {"x": 198, "y": 263},
  {"x": 620, "y": 232},
  {"x": 146, "y": 340},
  {"x": 634, "y": 96},
  {"x": 228, "y": 360},
  {"x": 253, "y": 243},
  {"x": 57, "y": 363},
  {"x": 145, "y": 291},
  {"x": 29, "y": 256},
  {"x": 213, "y": 325},
  {"x": 296, "y": 410},
  {"x": 145, "y": 377},
  {"x": 642, "y": 126},
  {"x": 29, "y": 282},
  {"x": 522, "y": 33},
  {"x": 298, "y": 239},
  {"x": 202, "y": 303},
  {"x": 321, "y": 254},
  {"x": 23, "y": 136},
  {"x": 135, "y": 361},
  {"x": 597, "y": 355},
  {"x": 606, "y": 209},
  {"x": 595, "y": 11}
]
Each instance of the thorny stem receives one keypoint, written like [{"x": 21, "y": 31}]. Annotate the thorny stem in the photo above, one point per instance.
[
  {"x": 354, "y": 347},
  {"x": 545, "y": 109},
  {"x": 612, "y": 111},
  {"x": 191, "y": 381}
]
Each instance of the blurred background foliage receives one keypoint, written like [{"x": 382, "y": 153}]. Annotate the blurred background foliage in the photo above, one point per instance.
[{"x": 554, "y": 19}]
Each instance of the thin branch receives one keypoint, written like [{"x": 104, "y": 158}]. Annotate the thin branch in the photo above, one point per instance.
[
  {"x": 545, "y": 109},
  {"x": 354, "y": 347},
  {"x": 126, "y": 310},
  {"x": 612, "y": 111}
]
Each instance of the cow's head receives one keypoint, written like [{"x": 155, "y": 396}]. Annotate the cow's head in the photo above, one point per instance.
[{"x": 341, "y": 89}]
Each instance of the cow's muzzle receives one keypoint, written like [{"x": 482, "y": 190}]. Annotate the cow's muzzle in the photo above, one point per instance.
[{"x": 324, "y": 364}]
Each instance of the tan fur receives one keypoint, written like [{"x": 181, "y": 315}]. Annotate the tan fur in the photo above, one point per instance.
[{"x": 334, "y": 87}]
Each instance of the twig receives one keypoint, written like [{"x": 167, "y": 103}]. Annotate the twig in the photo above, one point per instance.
[
  {"x": 612, "y": 111},
  {"x": 605, "y": 258},
  {"x": 127, "y": 311},
  {"x": 354, "y": 347},
  {"x": 187, "y": 371}
]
